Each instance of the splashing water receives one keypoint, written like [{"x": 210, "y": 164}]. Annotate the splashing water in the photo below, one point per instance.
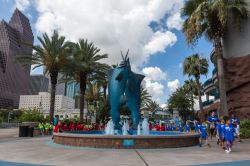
[
  {"x": 139, "y": 129},
  {"x": 145, "y": 127},
  {"x": 125, "y": 128},
  {"x": 109, "y": 129}
]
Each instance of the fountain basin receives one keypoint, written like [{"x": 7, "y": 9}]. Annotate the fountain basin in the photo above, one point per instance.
[{"x": 151, "y": 141}]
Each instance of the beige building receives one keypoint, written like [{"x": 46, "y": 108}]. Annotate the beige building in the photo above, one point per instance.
[{"x": 42, "y": 102}]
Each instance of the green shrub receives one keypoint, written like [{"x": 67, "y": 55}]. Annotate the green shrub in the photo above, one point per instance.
[
  {"x": 245, "y": 133},
  {"x": 31, "y": 116},
  {"x": 245, "y": 129},
  {"x": 245, "y": 124}
]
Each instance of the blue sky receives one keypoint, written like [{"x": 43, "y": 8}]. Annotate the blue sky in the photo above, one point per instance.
[{"x": 154, "y": 36}]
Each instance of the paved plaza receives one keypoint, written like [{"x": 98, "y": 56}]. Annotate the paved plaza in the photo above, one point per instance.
[{"x": 16, "y": 151}]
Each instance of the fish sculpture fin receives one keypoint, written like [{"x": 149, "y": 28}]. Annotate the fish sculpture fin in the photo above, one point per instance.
[{"x": 139, "y": 78}]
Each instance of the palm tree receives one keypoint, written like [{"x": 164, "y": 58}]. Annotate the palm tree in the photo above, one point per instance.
[
  {"x": 145, "y": 97},
  {"x": 152, "y": 106},
  {"x": 191, "y": 86},
  {"x": 211, "y": 19},
  {"x": 84, "y": 65},
  {"x": 196, "y": 66},
  {"x": 103, "y": 81},
  {"x": 52, "y": 55}
]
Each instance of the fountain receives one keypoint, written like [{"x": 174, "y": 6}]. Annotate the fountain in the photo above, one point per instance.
[
  {"x": 145, "y": 127},
  {"x": 125, "y": 128},
  {"x": 139, "y": 129},
  {"x": 124, "y": 88},
  {"x": 109, "y": 129}
]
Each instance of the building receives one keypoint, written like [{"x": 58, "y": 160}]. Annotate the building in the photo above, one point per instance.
[
  {"x": 72, "y": 90},
  {"x": 42, "y": 102},
  {"x": 14, "y": 78},
  {"x": 60, "y": 87},
  {"x": 38, "y": 83},
  {"x": 236, "y": 54}
]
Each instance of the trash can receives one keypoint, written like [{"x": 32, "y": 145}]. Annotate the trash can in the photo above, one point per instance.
[
  {"x": 30, "y": 131},
  {"x": 23, "y": 131}
]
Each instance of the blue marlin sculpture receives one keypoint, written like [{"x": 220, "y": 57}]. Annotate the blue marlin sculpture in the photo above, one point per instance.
[{"x": 124, "y": 89}]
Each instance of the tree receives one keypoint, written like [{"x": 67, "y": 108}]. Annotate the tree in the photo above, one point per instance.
[
  {"x": 85, "y": 63},
  {"x": 211, "y": 19},
  {"x": 181, "y": 101},
  {"x": 145, "y": 97},
  {"x": 52, "y": 54},
  {"x": 196, "y": 66},
  {"x": 152, "y": 106},
  {"x": 191, "y": 86}
]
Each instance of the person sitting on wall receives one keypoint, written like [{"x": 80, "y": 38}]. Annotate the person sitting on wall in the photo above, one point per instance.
[
  {"x": 101, "y": 126},
  {"x": 150, "y": 126},
  {"x": 47, "y": 127},
  {"x": 180, "y": 128},
  {"x": 162, "y": 127},
  {"x": 187, "y": 127},
  {"x": 41, "y": 128},
  {"x": 72, "y": 126},
  {"x": 79, "y": 126}
]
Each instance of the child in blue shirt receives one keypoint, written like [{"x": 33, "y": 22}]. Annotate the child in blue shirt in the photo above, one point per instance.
[
  {"x": 228, "y": 135},
  {"x": 180, "y": 128},
  {"x": 219, "y": 128},
  {"x": 202, "y": 129},
  {"x": 235, "y": 123},
  {"x": 187, "y": 127},
  {"x": 212, "y": 121}
]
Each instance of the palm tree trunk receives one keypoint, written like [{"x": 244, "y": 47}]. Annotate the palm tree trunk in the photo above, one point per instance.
[
  {"x": 83, "y": 80},
  {"x": 53, "y": 82},
  {"x": 197, "y": 80},
  {"x": 222, "y": 86},
  {"x": 104, "y": 91}
]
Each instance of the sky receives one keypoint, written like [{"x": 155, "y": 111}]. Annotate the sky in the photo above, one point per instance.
[{"x": 150, "y": 29}]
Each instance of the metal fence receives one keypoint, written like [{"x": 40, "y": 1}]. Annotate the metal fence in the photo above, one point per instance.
[{"x": 9, "y": 125}]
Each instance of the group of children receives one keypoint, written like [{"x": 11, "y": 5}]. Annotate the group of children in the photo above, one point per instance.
[
  {"x": 226, "y": 128},
  {"x": 45, "y": 128},
  {"x": 173, "y": 127}
]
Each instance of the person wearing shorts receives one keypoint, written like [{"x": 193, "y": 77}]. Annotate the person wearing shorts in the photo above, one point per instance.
[
  {"x": 202, "y": 129},
  {"x": 235, "y": 123},
  {"x": 212, "y": 121},
  {"x": 228, "y": 135}
]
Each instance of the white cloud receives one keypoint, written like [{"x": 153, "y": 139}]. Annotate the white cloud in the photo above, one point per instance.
[
  {"x": 112, "y": 25},
  {"x": 154, "y": 73},
  {"x": 163, "y": 105},
  {"x": 175, "y": 21},
  {"x": 155, "y": 89},
  {"x": 173, "y": 85},
  {"x": 22, "y": 4},
  {"x": 159, "y": 42}
]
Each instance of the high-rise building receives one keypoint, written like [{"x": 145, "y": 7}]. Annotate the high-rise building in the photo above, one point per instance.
[
  {"x": 14, "y": 78},
  {"x": 72, "y": 90},
  {"x": 39, "y": 83},
  {"x": 42, "y": 101}
]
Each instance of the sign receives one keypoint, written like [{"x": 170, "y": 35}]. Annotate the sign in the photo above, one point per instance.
[{"x": 128, "y": 142}]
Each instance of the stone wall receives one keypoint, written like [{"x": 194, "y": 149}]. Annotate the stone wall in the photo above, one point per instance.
[
  {"x": 117, "y": 142},
  {"x": 237, "y": 76}
]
